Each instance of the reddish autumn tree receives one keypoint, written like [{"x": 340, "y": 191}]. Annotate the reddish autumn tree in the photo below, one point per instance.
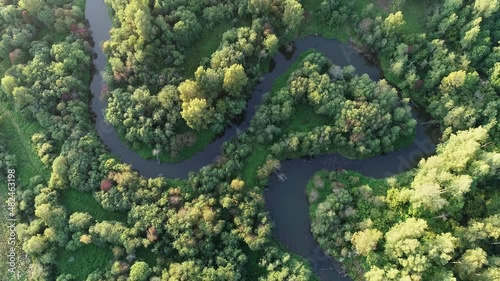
[
  {"x": 419, "y": 85},
  {"x": 152, "y": 234},
  {"x": 14, "y": 56},
  {"x": 106, "y": 185}
]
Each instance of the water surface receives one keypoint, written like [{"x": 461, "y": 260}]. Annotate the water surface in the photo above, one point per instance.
[{"x": 286, "y": 202}]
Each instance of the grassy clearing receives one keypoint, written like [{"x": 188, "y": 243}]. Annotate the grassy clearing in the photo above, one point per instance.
[
  {"x": 282, "y": 81},
  {"x": 17, "y": 132},
  {"x": 316, "y": 26},
  {"x": 88, "y": 258},
  {"x": 83, "y": 261},
  {"x": 77, "y": 201},
  {"x": 207, "y": 44},
  {"x": 145, "y": 254},
  {"x": 253, "y": 269},
  {"x": 414, "y": 13},
  {"x": 252, "y": 164},
  {"x": 203, "y": 138},
  {"x": 305, "y": 119}
]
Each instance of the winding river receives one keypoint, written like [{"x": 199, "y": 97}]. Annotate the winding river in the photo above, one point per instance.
[{"x": 286, "y": 202}]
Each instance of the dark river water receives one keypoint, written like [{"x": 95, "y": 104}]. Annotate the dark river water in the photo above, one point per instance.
[{"x": 286, "y": 202}]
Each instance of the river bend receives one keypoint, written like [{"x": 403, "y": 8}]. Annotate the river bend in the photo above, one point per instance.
[{"x": 286, "y": 202}]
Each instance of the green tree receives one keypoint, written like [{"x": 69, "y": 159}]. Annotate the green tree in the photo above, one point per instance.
[
  {"x": 139, "y": 271},
  {"x": 393, "y": 23},
  {"x": 441, "y": 248},
  {"x": 259, "y": 6},
  {"x": 9, "y": 83},
  {"x": 80, "y": 221},
  {"x": 271, "y": 43},
  {"x": 443, "y": 179},
  {"x": 189, "y": 90},
  {"x": 185, "y": 271},
  {"x": 471, "y": 262},
  {"x": 471, "y": 35},
  {"x": 197, "y": 113},
  {"x": 235, "y": 79},
  {"x": 35, "y": 245},
  {"x": 59, "y": 177},
  {"x": 401, "y": 239},
  {"x": 366, "y": 241},
  {"x": 209, "y": 81},
  {"x": 281, "y": 266},
  {"x": 486, "y": 7},
  {"x": 110, "y": 232},
  {"x": 495, "y": 76},
  {"x": 293, "y": 15}
]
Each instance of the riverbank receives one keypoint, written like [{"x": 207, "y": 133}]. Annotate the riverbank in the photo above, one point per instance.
[{"x": 342, "y": 55}]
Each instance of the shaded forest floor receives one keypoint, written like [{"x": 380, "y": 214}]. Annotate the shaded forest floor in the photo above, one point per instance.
[{"x": 414, "y": 12}]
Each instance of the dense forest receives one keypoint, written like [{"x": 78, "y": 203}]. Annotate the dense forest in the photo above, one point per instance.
[
  {"x": 440, "y": 221},
  {"x": 151, "y": 103},
  {"x": 179, "y": 72}
]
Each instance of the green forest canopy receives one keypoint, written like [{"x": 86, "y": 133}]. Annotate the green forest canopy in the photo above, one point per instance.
[{"x": 437, "y": 222}]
